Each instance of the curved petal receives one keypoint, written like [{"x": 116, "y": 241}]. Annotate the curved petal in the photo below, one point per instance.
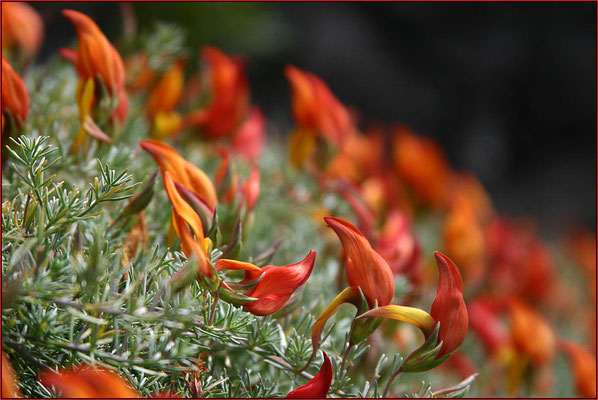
[
  {"x": 448, "y": 307},
  {"x": 318, "y": 386},
  {"x": 348, "y": 295},
  {"x": 365, "y": 268},
  {"x": 278, "y": 284},
  {"x": 411, "y": 315}
]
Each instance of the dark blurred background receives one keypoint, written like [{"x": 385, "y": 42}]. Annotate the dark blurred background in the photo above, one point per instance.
[{"x": 508, "y": 89}]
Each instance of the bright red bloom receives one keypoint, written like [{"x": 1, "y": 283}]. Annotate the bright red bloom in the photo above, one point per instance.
[
  {"x": 88, "y": 382},
  {"x": 22, "y": 27},
  {"x": 229, "y": 96},
  {"x": 276, "y": 284},
  {"x": 485, "y": 322},
  {"x": 318, "y": 386},
  {"x": 365, "y": 268},
  {"x": 399, "y": 246},
  {"x": 251, "y": 188},
  {"x": 15, "y": 99}
]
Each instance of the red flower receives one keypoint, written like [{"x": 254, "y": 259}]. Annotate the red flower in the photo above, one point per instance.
[
  {"x": 318, "y": 386},
  {"x": 248, "y": 140},
  {"x": 15, "y": 99},
  {"x": 276, "y": 284},
  {"x": 365, "y": 268},
  {"x": 584, "y": 368},
  {"x": 251, "y": 188},
  {"x": 22, "y": 27}
]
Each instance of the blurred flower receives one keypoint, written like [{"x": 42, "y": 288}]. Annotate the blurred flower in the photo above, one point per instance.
[
  {"x": 15, "y": 99},
  {"x": 88, "y": 382},
  {"x": 464, "y": 240},
  {"x": 583, "y": 364},
  {"x": 318, "y": 386},
  {"x": 9, "y": 379},
  {"x": 182, "y": 171},
  {"x": 421, "y": 163},
  {"x": 229, "y": 96},
  {"x": 22, "y": 29},
  {"x": 448, "y": 310},
  {"x": 275, "y": 285},
  {"x": 531, "y": 333},
  {"x": 315, "y": 109},
  {"x": 249, "y": 138},
  {"x": 138, "y": 73},
  {"x": 251, "y": 188},
  {"x": 582, "y": 246},
  {"x": 359, "y": 157},
  {"x": 485, "y": 322},
  {"x": 164, "y": 98}
]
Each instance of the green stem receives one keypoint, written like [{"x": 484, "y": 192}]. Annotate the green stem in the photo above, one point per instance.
[{"x": 390, "y": 380}]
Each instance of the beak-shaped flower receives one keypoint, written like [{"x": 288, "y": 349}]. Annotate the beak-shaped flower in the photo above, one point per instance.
[
  {"x": 365, "y": 268},
  {"x": 15, "y": 99},
  {"x": 9, "y": 380},
  {"x": 584, "y": 368},
  {"x": 448, "y": 309},
  {"x": 251, "y": 188},
  {"x": 96, "y": 57},
  {"x": 531, "y": 333},
  {"x": 315, "y": 108},
  {"x": 248, "y": 140},
  {"x": 276, "y": 284},
  {"x": 318, "y": 386},
  {"x": 88, "y": 382},
  {"x": 163, "y": 100},
  {"x": 22, "y": 28},
  {"x": 229, "y": 93},
  {"x": 182, "y": 171}
]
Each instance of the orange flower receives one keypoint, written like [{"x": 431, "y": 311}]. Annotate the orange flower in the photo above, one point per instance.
[
  {"x": 276, "y": 284},
  {"x": 584, "y": 368},
  {"x": 318, "y": 386},
  {"x": 315, "y": 108},
  {"x": 182, "y": 171},
  {"x": 248, "y": 140},
  {"x": 15, "y": 99},
  {"x": 9, "y": 379},
  {"x": 138, "y": 73},
  {"x": 22, "y": 28},
  {"x": 365, "y": 268},
  {"x": 464, "y": 239},
  {"x": 422, "y": 164},
  {"x": 532, "y": 335},
  {"x": 168, "y": 91},
  {"x": 96, "y": 57},
  {"x": 88, "y": 382},
  {"x": 229, "y": 96}
]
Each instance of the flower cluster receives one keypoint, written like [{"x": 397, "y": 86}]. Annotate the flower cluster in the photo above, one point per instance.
[{"x": 218, "y": 295}]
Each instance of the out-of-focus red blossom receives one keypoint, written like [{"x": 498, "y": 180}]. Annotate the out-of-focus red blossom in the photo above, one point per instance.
[
  {"x": 359, "y": 157},
  {"x": 276, "y": 284},
  {"x": 399, "y": 247},
  {"x": 486, "y": 323},
  {"x": 96, "y": 58},
  {"x": 583, "y": 364},
  {"x": 167, "y": 93},
  {"x": 138, "y": 73},
  {"x": 22, "y": 28},
  {"x": 249, "y": 139},
  {"x": 462, "y": 364},
  {"x": 9, "y": 379},
  {"x": 421, "y": 163},
  {"x": 449, "y": 307},
  {"x": 229, "y": 96},
  {"x": 182, "y": 171},
  {"x": 520, "y": 263},
  {"x": 315, "y": 108},
  {"x": 582, "y": 246},
  {"x": 365, "y": 268},
  {"x": 15, "y": 99},
  {"x": 225, "y": 179},
  {"x": 463, "y": 238},
  {"x": 468, "y": 187},
  {"x": 531, "y": 333},
  {"x": 251, "y": 188},
  {"x": 88, "y": 382},
  {"x": 318, "y": 386}
]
